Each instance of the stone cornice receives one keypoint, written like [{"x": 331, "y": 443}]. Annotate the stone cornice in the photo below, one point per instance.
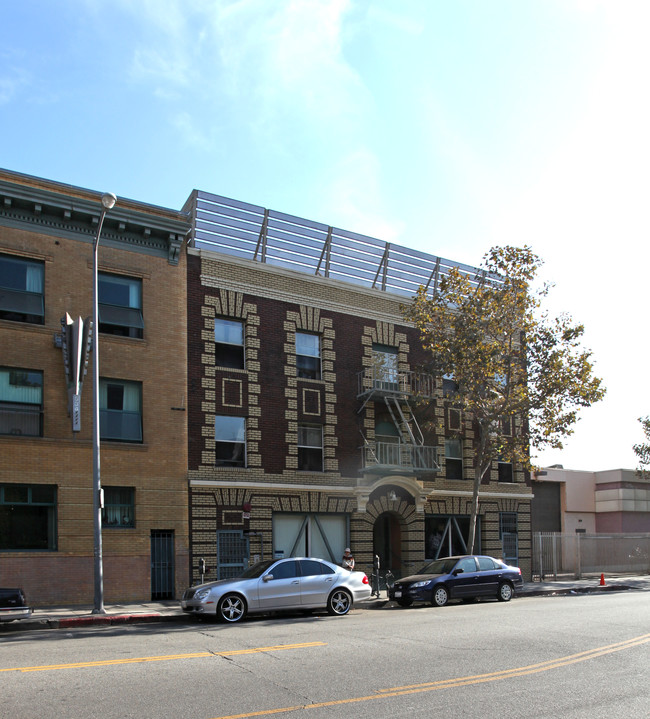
[{"x": 49, "y": 208}]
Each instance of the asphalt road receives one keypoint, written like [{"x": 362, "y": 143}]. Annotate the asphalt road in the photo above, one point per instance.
[{"x": 577, "y": 656}]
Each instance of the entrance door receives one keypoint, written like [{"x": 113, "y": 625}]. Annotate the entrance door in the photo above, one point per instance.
[
  {"x": 387, "y": 542},
  {"x": 162, "y": 564}
]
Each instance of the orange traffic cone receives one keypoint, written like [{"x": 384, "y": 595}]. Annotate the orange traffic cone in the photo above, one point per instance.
[{"x": 602, "y": 580}]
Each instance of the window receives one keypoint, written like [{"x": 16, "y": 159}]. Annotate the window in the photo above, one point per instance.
[
  {"x": 507, "y": 523},
  {"x": 120, "y": 410},
  {"x": 119, "y": 507},
  {"x": 467, "y": 564},
  {"x": 27, "y": 517},
  {"x": 21, "y": 402},
  {"x": 311, "y": 568},
  {"x": 229, "y": 341},
  {"x": 310, "y": 447},
  {"x": 285, "y": 570},
  {"x": 230, "y": 440},
  {"x": 454, "y": 458},
  {"x": 505, "y": 471},
  {"x": 449, "y": 386},
  {"x": 385, "y": 429},
  {"x": 487, "y": 564},
  {"x": 120, "y": 305},
  {"x": 21, "y": 290},
  {"x": 308, "y": 355},
  {"x": 385, "y": 367},
  {"x": 455, "y": 419}
]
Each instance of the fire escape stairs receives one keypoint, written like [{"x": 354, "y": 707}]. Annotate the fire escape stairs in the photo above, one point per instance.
[
  {"x": 414, "y": 454},
  {"x": 407, "y": 426}
]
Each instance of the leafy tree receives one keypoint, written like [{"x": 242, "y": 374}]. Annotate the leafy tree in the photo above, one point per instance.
[
  {"x": 642, "y": 451},
  {"x": 520, "y": 374}
]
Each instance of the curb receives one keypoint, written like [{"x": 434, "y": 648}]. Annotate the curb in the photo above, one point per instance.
[
  {"x": 152, "y": 617},
  {"x": 577, "y": 590},
  {"x": 89, "y": 621}
]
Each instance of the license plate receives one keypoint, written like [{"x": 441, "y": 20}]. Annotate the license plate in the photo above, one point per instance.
[
  {"x": 183, "y": 604},
  {"x": 397, "y": 593}
]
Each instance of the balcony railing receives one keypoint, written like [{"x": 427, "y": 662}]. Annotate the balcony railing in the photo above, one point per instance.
[
  {"x": 394, "y": 457},
  {"x": 387, "y": 381},
  {"x": 120, "y": 425},
  {"x": 252, "y": 232},
  {"x": 20, "y": 419}
]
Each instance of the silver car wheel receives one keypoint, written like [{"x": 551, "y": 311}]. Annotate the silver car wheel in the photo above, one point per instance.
[
  {"x": 339, "y": 602},
  {"x": 232, "y": 608},
  {"x": 505, "y": 592},
  {"x": 440, "y": 596}
]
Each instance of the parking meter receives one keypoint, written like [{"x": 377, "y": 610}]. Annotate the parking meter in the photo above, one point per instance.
[{"x": 202, "y": 568}]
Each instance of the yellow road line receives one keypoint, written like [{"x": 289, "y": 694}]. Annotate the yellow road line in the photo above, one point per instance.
[
  {"x": 459, "y": 681},
  {"x": 164, "y": 658}
]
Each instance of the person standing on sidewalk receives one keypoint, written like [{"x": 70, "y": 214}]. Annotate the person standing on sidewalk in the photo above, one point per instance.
[{"x": 348, "y": 559}]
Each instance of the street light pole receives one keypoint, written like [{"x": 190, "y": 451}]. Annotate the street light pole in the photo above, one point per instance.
[{"x": 108, "y": 202}]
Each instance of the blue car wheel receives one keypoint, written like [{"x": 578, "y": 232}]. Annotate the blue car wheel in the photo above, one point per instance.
[{"x": 505, "y": 592}]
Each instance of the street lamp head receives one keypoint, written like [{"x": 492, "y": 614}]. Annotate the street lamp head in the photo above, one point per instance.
[{"x": 108, "y": 200}]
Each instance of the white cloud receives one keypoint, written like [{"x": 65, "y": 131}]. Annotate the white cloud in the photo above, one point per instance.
[
  {"x": 586, "y": 214},
  {"x": 13, "y": 79},
  {"x": 285, "y": 60},
  {"x": 352, "y": 192}
]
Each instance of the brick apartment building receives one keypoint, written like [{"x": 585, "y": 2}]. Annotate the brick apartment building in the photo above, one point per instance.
[
  {"x": 260, "y": 396},
  {"x": 306, "y": 435},
  {"x": 47, "y": 231}
]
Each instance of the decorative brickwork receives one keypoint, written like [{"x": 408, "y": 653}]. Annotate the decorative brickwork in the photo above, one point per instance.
[{"x": 277, "y": 304}]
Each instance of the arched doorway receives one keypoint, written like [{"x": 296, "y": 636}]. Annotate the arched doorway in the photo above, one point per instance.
[{"x": 387, "y": 542}]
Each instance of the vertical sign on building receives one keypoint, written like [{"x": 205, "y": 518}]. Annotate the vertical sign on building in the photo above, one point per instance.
[{"x": 77, "y": 338}]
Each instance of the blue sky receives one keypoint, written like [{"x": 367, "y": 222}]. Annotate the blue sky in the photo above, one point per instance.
[{"x": 448, "y": 126}]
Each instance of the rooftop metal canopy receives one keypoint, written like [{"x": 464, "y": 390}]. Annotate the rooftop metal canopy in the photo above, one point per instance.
[{"x": 255, "y": 233}]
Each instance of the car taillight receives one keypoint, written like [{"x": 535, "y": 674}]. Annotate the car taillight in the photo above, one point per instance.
[{"x": 365, "y": 579}]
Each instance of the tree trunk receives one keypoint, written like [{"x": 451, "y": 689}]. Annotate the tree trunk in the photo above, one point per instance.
[
  {"x": 473, "y": 516},
  {"x": 482, "y": 464}
]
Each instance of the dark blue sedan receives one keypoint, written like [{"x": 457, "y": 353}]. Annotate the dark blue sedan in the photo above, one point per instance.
[{"x": 467, "y": 577}]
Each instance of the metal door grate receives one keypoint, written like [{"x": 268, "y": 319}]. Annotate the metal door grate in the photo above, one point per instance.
[
  {"x": 232, "y": 553},
  {"x": 162, "y": 564}
]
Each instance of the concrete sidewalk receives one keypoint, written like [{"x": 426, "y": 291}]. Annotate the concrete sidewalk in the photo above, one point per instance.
[{"x": 170, "y": 611}]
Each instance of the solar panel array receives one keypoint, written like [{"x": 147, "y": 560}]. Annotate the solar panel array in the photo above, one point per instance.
[{"x": 253, "y": 232}]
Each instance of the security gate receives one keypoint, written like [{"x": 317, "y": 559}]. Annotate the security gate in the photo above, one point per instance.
[
  {"x": 162, "y": 564},
  {"x": 510, "y": 544},
  {"x": 232, "y": 553}
]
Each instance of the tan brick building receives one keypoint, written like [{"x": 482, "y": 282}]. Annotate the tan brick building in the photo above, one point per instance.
[
  {"x": 305, "y": 434},
  {"x": 47, "y": 231}
]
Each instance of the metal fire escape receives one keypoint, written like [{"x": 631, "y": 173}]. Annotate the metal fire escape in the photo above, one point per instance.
[{"x": 406, "y": 453}]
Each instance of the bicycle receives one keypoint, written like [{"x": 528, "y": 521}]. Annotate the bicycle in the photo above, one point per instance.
[{"x": 380, "y": 580}]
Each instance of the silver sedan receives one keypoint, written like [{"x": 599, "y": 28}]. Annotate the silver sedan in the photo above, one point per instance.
[{"x": 295, "y": 583}]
